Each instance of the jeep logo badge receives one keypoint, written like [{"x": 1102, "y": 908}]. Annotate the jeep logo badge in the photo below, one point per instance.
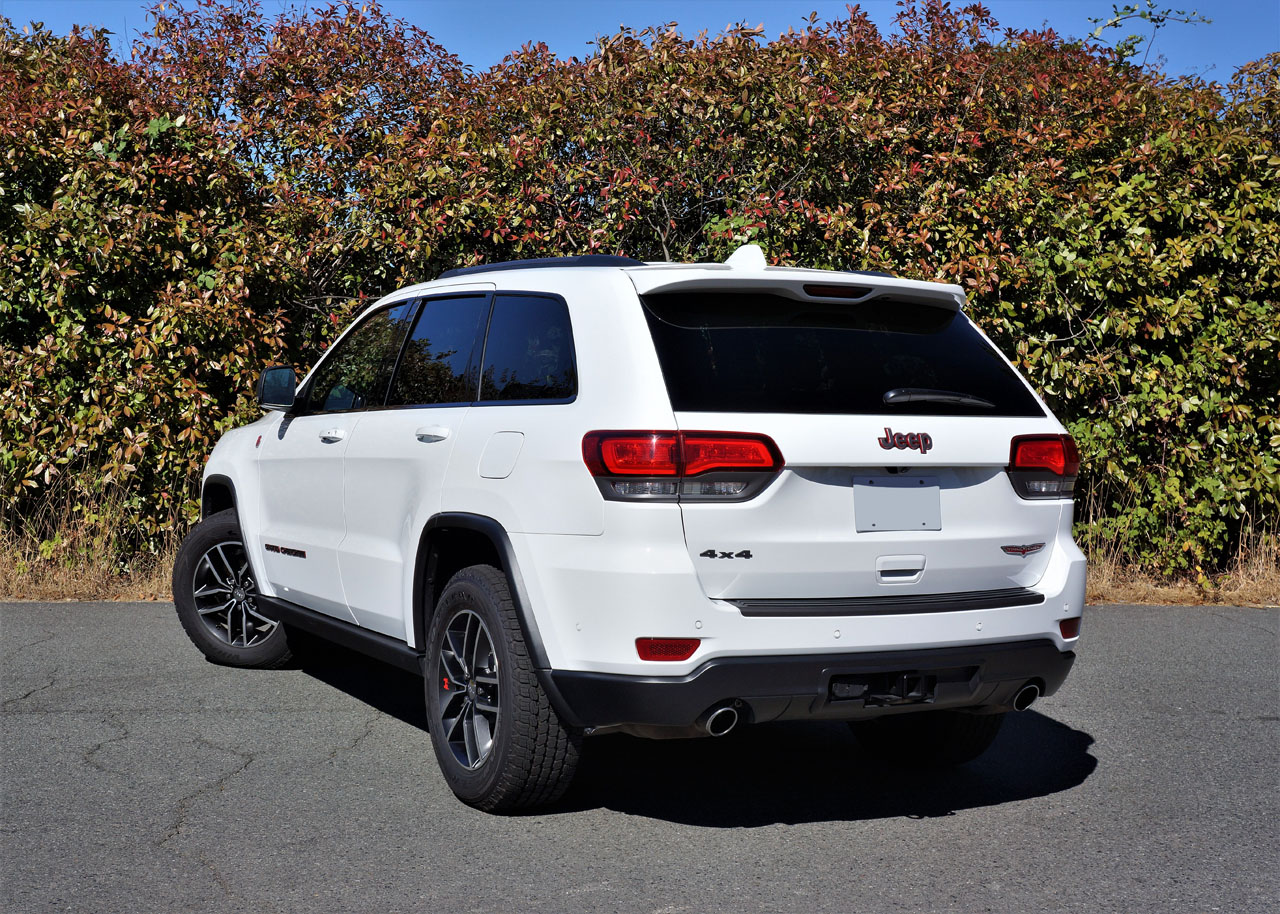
[{"x": 916, "y": 441}]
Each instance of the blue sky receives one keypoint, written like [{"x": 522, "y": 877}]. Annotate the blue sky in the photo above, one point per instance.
[{"x": 481, "y": 32}]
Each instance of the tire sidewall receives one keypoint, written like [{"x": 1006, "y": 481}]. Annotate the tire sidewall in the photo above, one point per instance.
[{"x": 471, "y": 785}]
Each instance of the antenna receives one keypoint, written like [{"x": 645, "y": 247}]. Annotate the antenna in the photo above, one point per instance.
[{"x": 747, "y": 257}]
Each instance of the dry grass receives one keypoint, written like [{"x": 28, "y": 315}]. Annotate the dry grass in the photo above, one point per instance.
[
  {"x": 57, "y": 553},
  {"x": 1252, "y": 579}
]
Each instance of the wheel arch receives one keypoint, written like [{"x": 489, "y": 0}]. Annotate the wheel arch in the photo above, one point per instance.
[
  {"x": 454, "y": 540},
  {"x": 217, "y": 493}
]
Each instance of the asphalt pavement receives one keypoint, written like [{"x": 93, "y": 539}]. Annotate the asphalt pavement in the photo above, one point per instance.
[{"x": 135, "y": 776}]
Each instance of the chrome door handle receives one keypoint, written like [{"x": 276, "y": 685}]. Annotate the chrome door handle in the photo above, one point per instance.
[
  {"x": 332, "y": 435},
  {"x": 430, "y": 433}
]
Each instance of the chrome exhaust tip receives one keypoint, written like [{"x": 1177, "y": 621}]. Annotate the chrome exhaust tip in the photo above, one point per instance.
[
  {"x": 1026, "y": 696},
  {"x": 721, "y": 721}
]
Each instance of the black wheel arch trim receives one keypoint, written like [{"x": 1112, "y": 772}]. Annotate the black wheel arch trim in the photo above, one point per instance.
[
  {"x": 217, "y": 480},
  {"x": 424, "y": 585}
]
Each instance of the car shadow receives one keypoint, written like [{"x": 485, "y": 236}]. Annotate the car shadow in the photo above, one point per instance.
[
  {"x": 389, "y": 689},
  {"x": 795, "y": 772},
  {"x": 781, "y": 773}
]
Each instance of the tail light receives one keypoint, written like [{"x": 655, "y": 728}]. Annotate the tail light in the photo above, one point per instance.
[
  {"x": 684, "y": 466},
  {"x": 1044, "y": 466}
]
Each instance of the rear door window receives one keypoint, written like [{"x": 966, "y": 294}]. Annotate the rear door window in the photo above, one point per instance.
[
  {"x": 438, "y": 362},
  {"x": 756, "y": 353},
  {"x": 528, "y": 354}
]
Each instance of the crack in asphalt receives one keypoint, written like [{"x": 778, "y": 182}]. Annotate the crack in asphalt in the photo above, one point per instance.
[
  {"x": 19, "y": 648},
  {"x": 183, "y": 810},
  {"x": 53, "y": 680},
  {"x": 185, "y": 803},
  {"x": 89, "y": 759},
  {"x": 360, "y": 737},
  {"x": 1241, "y": 622}
]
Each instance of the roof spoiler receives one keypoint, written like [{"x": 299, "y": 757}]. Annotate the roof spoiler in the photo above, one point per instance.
[{"x": 747, "y": 270}]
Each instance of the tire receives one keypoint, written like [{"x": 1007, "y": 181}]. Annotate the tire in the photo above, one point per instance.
[
  {"x": 214, "y": 592},
  {"x": 928, "y": 739},
  {"x": 499, "y": 743}
]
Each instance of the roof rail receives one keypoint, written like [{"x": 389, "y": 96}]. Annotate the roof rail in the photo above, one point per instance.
[{"x": 581, "y": 260}]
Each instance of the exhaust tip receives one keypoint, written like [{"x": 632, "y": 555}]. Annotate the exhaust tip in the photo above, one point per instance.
[
  {"x": 721, "y": 721},
  {"x": 1026, "y": 696}
]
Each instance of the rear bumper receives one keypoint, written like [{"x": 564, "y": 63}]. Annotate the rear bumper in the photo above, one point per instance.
[{"x": 818, "y": 686}]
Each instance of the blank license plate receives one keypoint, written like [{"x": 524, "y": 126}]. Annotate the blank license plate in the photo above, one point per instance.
[{"x": 893, "y": 503}]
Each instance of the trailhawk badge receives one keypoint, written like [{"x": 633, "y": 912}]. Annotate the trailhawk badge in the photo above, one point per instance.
[{"x": 1022, "y": 550}]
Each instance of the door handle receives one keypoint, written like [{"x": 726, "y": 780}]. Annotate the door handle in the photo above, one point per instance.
[
  {"x": 332, "y": 435},
  {"x": 430, "y": 433}
]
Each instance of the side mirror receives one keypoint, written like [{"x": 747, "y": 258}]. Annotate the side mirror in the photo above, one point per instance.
[{"x": 276, "y": 386}]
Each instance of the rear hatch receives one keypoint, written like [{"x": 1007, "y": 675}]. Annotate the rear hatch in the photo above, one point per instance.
[{"x": 894, "y": 416}]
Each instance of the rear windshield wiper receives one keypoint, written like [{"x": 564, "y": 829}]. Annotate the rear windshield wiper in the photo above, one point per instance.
[{"x": 924, "y": 395}]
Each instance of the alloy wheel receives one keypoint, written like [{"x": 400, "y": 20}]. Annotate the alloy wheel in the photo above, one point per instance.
[
  {"x": 468, "y": 689},
  {"x": 226, "y": 597}
]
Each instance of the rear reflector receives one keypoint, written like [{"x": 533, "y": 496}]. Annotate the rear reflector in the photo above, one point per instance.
[
  {"x": 1070, "y": 628},
  {"x": 666, "y": 648},
  {"x": 1043, "y": 466}
]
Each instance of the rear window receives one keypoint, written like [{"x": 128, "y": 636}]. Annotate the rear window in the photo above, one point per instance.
[{"x": 761, "y": 353}]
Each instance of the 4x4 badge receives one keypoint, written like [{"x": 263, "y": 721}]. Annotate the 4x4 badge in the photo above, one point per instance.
[
  {"x": 1022, "y": 550},
  {"x": 916, "y": 441}
]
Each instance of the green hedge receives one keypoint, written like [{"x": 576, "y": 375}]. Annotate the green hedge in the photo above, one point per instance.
[{"x": 231, "y": 193}]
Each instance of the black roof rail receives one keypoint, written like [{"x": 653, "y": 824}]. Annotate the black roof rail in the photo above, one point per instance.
[{"x": 581, "y": 260}]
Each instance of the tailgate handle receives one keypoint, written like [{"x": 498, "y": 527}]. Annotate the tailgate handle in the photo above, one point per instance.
[{"x": 899, "y": 569}]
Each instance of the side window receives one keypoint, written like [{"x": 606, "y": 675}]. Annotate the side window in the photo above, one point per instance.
[
  {"x": 436, "y": 366},
  {"x": 529, "y": 351},
  {"x": 356, "y": 374}
]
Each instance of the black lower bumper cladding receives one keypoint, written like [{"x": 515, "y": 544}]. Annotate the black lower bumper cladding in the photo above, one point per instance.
[{"x": 820, "y": 686}]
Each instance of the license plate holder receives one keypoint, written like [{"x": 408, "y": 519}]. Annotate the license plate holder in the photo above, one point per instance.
[{"x": 887, "y": 504}]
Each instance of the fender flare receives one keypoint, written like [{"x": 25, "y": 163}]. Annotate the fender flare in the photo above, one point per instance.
[
  {"x": 217, "y": 480},
  {"x": 497, "y": 535}
]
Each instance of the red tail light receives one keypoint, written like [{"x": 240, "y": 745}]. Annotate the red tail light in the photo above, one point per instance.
[
  {"x": 704, "y": 452},
  {"x": 1044, "y": 466},
  {"x": 720, "y": 466},
  {"x": 632, "y": 453},
  {"x": 666, "y": 648},
  {"x": 1070, "y": 628}
]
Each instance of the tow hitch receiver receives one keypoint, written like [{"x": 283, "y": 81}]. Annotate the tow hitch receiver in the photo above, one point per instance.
[{"x": 885, "y": 689}]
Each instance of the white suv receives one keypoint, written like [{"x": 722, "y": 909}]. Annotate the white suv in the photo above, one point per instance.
[{"x": 590, "y": 494}]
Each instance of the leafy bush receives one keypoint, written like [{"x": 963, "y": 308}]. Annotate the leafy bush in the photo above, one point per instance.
[{"x": 230, "y": 195}]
